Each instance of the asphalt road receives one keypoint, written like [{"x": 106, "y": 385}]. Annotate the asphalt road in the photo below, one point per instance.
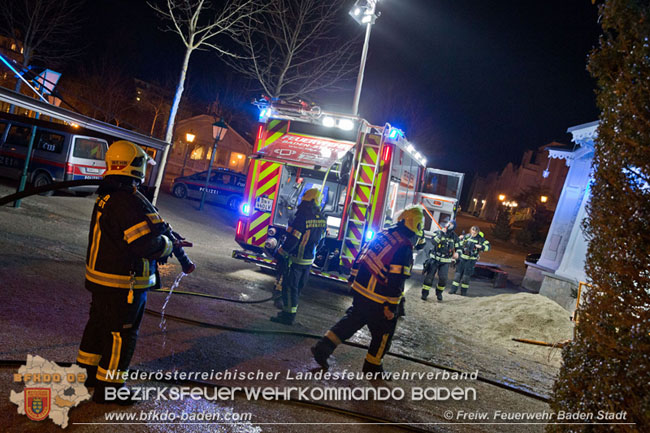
[{"x": 44, "y": 310}]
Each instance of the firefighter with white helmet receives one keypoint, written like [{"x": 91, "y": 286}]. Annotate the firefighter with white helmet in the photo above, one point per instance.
[
  {"x": 377, "y": 278},
  {"x": 298, "y": 251},
  {"x": 127, "y": 240}
]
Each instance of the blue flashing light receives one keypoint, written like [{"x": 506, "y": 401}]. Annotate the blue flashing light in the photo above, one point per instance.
[
  {"x": 264, "y": 113},
  {"x": 246, "y": 209},
  {"x": 369, "y": 235},
  {"x": 394, "y": 133}
]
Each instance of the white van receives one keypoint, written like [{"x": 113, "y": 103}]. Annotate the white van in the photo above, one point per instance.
[{"x": 59, "y": 153}]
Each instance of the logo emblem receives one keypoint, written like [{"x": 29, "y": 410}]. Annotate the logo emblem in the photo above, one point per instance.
[{"x": 37, "y": 403}]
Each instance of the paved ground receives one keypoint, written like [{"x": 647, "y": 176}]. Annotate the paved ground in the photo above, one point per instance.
[{"x": 45, "y": 308}]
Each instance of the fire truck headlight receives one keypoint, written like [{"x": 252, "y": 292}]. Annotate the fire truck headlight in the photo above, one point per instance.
[
  {"x": 346, "y": 124},
  {"x": 328, "y": 121},
  {"x": 333, "y": 221},
  {"x": 272, "y": 231},
  {"x": 246, "y": 209},
  {"x": 369, "y": 235}
]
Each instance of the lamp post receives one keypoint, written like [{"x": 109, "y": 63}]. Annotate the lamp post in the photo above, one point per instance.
[
  {"x": 189, "y": 139},
  {"x": 219, "y": 129},
  {"x": 363, "y": 12}
]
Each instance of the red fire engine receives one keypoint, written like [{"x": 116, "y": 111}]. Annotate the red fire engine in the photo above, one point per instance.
[{"x": 367, "y": 174}]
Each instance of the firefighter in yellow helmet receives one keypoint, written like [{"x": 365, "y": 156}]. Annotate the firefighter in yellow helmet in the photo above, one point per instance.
[
  {"x": 127, "y": 240},
  {"x": 377, "y": 278},
  {"x": 297, "y": 252}
]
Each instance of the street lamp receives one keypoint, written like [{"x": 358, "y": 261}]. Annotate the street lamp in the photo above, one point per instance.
[
  {"x": 543, "y": 199},
  {"x": 189, "y": 139},
  {"x": 219, "y": 129},
  {"x": 502, "y": 197},
  {"x": 363, "y": 12}
]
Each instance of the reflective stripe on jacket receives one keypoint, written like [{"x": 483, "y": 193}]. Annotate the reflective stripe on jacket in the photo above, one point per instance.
[
  {"x": 125, "y": 239},
  {"x": 443, "y": 246},
  {"x": 469, "y": 247},
  {"x": 304, "y": 234},
  {"x": 383, "y": 265}
]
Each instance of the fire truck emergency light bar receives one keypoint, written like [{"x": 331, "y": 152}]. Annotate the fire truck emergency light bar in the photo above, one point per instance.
[
  {"x": 313, "y": 114},
  {"x": 397, "y": 135}
]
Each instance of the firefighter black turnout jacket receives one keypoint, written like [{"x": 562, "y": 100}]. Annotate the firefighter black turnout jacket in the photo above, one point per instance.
[
  {"x": 470, "y": 247},
  {"x": 304, "y": 234},
  {"x": 126, "y": 238},
  {"x": 443, "y": 246},
  {"x": 383, "y": 265}
]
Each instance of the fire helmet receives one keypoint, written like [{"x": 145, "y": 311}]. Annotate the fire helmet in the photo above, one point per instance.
[
  {"x": 413, "y": 218},
  {"x": 312, "y": 194},
  {"x": 126, "y": 159},
  {"x": 451, "y": 225}
]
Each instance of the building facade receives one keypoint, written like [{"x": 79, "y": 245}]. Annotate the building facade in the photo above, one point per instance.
[
  {"x": 537, "y": 169},
  {"x": 186, "y": 158}
]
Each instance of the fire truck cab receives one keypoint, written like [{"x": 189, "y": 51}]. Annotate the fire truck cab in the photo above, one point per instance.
[{"x": 367, "y": 175}]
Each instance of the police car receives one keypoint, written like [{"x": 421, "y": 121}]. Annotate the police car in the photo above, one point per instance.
[{"x": 226, "y": 187}]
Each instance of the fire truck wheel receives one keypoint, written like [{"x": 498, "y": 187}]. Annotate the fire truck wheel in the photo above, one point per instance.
[
  {"x": 180, "y": 191},
  {"x": 43, "y": 179}
]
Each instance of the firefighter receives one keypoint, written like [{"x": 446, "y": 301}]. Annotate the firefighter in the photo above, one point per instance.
[
  {"x": 377, "y": 279},
  {"x": 468, "y": 248},
  {"x": 296, "y": 254},
  {"x": 127, "y": 240},
  {"x": 440, "y": 257}
]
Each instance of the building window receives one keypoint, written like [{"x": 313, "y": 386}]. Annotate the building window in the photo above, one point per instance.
[
  {"x": 236, "y": 161},
  {"x": 197, "y": 153}
]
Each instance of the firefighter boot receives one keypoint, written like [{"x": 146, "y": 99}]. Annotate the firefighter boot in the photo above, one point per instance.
[
  {"x": 110, "y": 393},
  {"x": 91, "y": 375},
  {"x": 322, "y": 350},
  {"x": 463, "y": 291},
  {"x": 377, "y": 370},
  {"x": 439, "y": 294},
  {"x": 284, "y": 318},
  {"x": 425, "y": 292}
]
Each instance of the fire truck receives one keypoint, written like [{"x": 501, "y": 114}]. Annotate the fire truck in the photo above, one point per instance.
[{"x": 367, "y": 175}]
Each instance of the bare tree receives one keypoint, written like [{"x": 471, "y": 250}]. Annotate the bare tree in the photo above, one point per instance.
[
  {"x": 106, "y": 92},
  {"x": 199, "y": 26},
  {"x": 43, "y": 28},
  {"x": 296, "y": 47}
]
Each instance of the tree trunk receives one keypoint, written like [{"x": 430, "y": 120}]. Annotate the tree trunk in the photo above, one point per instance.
[{"x": 170, "y": 123}]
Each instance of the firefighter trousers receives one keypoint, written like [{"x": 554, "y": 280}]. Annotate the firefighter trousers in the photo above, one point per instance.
[
  {"x": 293, "y": 282},
  {"x": 111, "y": 333},
  {"x": 464, "y": 271},
  {"x": 370, "y": 314},
  {"x": 442, "y": 269}
]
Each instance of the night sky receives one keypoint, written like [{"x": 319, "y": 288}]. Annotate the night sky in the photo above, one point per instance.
[{"x": 474, "y": 83}]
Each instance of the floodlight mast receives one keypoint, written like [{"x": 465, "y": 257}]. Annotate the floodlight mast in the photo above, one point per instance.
[{"x": 363, "y": 12}]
